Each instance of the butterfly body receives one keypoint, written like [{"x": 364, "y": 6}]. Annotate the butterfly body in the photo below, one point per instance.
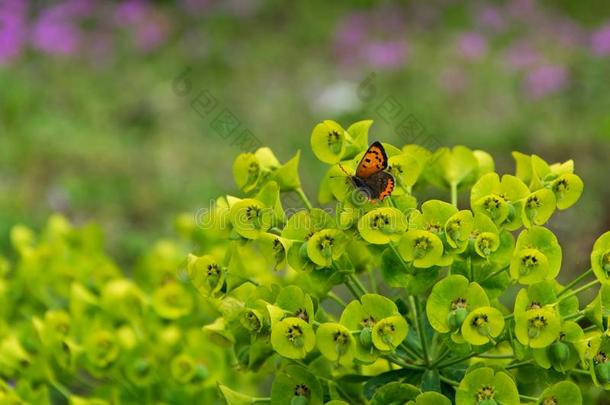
[{"x": 370, "y": 177}]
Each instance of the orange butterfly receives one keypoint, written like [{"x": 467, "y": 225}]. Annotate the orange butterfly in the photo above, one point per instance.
[{"x": 370, "y": 177}]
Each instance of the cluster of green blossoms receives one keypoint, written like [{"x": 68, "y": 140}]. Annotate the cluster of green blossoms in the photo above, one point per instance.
[
  {"x": 427, "y": 282},
  {"x": 75, "y": 329}
]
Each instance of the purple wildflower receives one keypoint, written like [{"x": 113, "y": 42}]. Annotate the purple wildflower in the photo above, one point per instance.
[
  {"x": 521, "y": 55},
  {"x": 472, "y": 45},
  {"x": 546, "y": 80},
  {"x": 491, "y": 18},
  {"x": 385, "y": 54},
  {"x": 56, "y": 33},
  {"x": 600, "y": 41},
  {"x": 12, "y": 31}
]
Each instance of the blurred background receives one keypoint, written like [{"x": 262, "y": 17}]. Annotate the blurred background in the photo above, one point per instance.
[{"x": 107, "y": 108}]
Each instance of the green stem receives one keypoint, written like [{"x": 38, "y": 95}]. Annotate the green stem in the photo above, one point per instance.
[
  {"x": 575, "y": 316},
  {"x": 496, "y": 356},
  {"x": 581, "y": 372},
  {"x": 590, "y": 328},
  {"x": 457, "y": 361},
  {"x": 404, "y": 364},
  {"x": 351, "y": 289},
  {"x": 528, "y": 398},
  {"x": 402, "y": 261},
  {"x": 61, "y": 388},
  {"x": 336, "y": 298},
  {"x": 304, "y": 198},
  {"x": 574, "y": 282},
  {"x": 440, "y": 358},
  {"x": 454, "y": 194},
  {"x": 492, "y": 275},
  {"x": 420, "y": 328},
  {"x": 354, "y": 279},
  {"x": 372, "y": 282},
  {"x": 410, "y": 350},
  {"x": 578, "y": 290},
  {"x": 520, "y": 364},
  {"x": 449, "y": 381},
  {"x": 266, "y": 400}
]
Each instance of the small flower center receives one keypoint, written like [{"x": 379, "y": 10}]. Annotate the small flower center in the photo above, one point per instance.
[
  {"x": 379, "y": 221},
  {"x": 294, "y": 333},
  {"x": 536, "y": 325},
  {"x": 301, "y": 313},
  {"x": 601, "y": 357},
  {"x": 252, "y": 212},
  {"x": 561, "y": 186},
  {"x": 606, "y": 262},
  {"x": 535, "y": 305},
  {"x": 422, "y": 244},
  {"x": 334, "y": 141},
  {"x": 459, "y": 303},
  {"x": 480, "y": 322},
  {"x": 486, "y": 392},
  {"x": 302, "y": 390},
  {"x": 550, "y": 401},
  {"x": 368, "y": 322},
  {"x": 533, "y": 202}
]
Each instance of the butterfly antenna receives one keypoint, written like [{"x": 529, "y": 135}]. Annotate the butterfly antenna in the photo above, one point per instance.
[{"x": 344, "y": 171}]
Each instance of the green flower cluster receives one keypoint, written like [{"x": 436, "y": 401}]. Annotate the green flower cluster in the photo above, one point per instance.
[
  {"x": 74, "y": 329},
  {"x": 428, "y": 321}
]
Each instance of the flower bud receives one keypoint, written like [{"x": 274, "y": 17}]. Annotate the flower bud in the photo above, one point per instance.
[
  {"x": 456, "y": 317},
  {"x": 366, "y": 337},
  {"x": 559, "y": 353},
  {"x": 603, "y": 372}
]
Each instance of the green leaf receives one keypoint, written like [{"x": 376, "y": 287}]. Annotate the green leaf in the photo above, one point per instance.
[
  {"x": 532, "y": 245},
  {"x": 382, "y": 225},
  {"x": 395, "y": 393},
  {"x": 326, "y": 246},
  {"x": 564, "y": 392},
  {"x": 423, "y": 248},
  {"x": 482, "y": 325},
  {"x": 523, "y": 167},
  {"x": 359, "y": 132},
  {"x": 538, "y": 207},
  {"x": 405, "y": 168},
  {"x": 205, "y": 273},
  {"x": 296, "y": 303},
  {"x": 483, "y": 383},
  {"x": 250, "y": 218},
  {"x": 451, "y": 294},
  {"x": 292, "y": 338},
  {"x": 329, "y": 141},
  {"x": 458, "y": 229},
  {"x": 287, "y": 175},
  {"x": 567, "y": 188},
  {"x": 389, "y": 332},
  {"x": 537, "y": 328},
  {"x": 295, "y": 381},
  {"x": 246, "y": 172},
  {"x": 452, "y": 166},
  {"x": 303, "y": 224},
  {"x": 336, "y": 343},
  {"x": 600, "y": 257},
  {"x": 231, "y": 397},
  {"x": 432, "y": 398}
]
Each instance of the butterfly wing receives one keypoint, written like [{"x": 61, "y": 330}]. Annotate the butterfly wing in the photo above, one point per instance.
[
  {"x": 374, "y": 160},
  {"x": 379, "y": 185}
]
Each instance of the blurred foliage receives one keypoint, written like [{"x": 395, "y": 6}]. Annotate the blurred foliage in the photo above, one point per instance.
[{"x": 96, "y": 130}]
